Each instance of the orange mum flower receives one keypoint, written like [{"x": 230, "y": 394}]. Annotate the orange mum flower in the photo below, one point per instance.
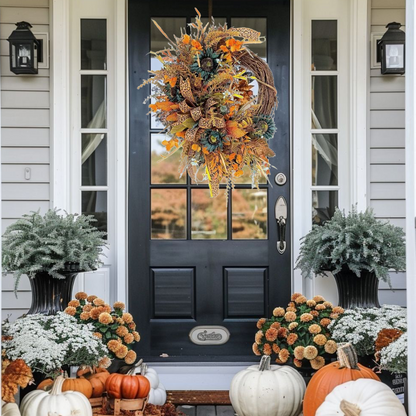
[
  {"x": 105, "y": 318},
  {"x": 256, "y": 349},
  {"x": 81, "y": 296},
  {"x": 298, "y": 363},
  {"x": 275, "y": 325},
  {"x": 290, "y": 316},
  {"x": 91, "y": 298},
  {"x": 333, "y": 316},
  {"x": 136, "y": 336},
  {"x": 95, "y": 313},
  {"x": 325, "y": 322},
  {"x": 295, "y": 296},
  {"x": 292, "y": 338},
  {"x": 271, "y": 334},
  {"x": 338, "y": 310},
  {"x": 261, "y": 322},
  {"x": 113, "y": 345},
  {"x": 267, "y": 349},
  {"x": 275, "y": 348},
  {"x": 318, "y": 298},
  {"x": 130, "y": 357},
  {"x": 98, "y": 335},
  {"x": 300, "y": 300},
  {"x": 315, "y": 329},
  {"x": 278, "y": 311},
  {"x": 328, "y": 304},
  {"x": 70, "y": 310},
  {"x": 122, "y": 351},
  {"x": 122, "y": 331},
  {"x": 258, "y": 337},
  {"x": 293, "y": 326},
  {"x": 320, "y": 307},
  {"x": 282, "y": 333},
  {"x": 314, "y": 313},
  {"x": 306, "y": 317},
  {"x": 74, "y": 303},
  {"x": 127, "y": 317},
  {"x": 129, "y": 338},
  {"x": 284, "y": 355},
  {"x": 291, "y": 309},
  {"x": 85, "y": 316},
  {"x": 87, "y": 308},
  {"x": 98, "y": 302}
]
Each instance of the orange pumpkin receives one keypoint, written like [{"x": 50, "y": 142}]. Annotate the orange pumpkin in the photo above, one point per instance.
[
  {"x": 127, "y": 386},
  {"x": 332, "y": 375},
  {"x": 81, "y": 385},
  {"x": 45, "y": 384},
  {"x": 97, "y": 378}
]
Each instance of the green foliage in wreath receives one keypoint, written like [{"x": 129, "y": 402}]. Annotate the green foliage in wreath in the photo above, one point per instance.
[
  {"x": 358, "y": 241},
  {"x": 37, "y": 243}
]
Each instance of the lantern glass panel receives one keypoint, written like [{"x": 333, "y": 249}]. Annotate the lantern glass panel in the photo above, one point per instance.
[{"x": 394, "y": 56}]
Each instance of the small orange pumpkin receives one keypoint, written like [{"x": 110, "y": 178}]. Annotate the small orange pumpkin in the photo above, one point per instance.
[
  {"x": 97, "y": 378},
  {"x": 332, "y": 375},
  {"x": 45, "y": 384},
  {"x": 127, "y": 386},
  {"x": 81, "y": 385}
]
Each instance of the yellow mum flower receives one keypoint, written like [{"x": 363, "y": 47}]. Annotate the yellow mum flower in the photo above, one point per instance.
[
  {"x": 130, "y": 357},
  {"x": 292, "y": 326},
  {"x": 317, "y": 362},
  {"x": 113, "y": 345},
  {"x": 298, "y": 352},
  {"x": 315, "y": 329},
  {"x": 310, "y": 352},
  {"x": 320, "y": 339},
  {"x": 122, "y": 351},
  {"x": 331, "y": 347},
  {"x": 278, "y": 311}
]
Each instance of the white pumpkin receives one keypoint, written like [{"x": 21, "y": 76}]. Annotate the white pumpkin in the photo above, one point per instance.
[
  {"x": 266, "y": 390},
  {"x": 9, "y": 409},
  {"x": 54, "y": 402},
  {"x": 363, "y": 397},
  {"x": 157, "y": 394}
]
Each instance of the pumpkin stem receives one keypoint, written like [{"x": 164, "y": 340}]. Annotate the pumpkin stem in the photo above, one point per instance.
[
  {"x": 347, "y": 356},
  {"x": 134, "y": 366},
  {"x": 264, "y": 363},
  {"x": 349, "y": 409},
  {"x": 57, "y": 386}
]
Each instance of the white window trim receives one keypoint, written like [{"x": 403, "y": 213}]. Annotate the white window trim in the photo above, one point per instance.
[
  {"x": 61, "y": 130},
  {"x": 357, "y": 129},
  {"x": 411, "y": 199}
]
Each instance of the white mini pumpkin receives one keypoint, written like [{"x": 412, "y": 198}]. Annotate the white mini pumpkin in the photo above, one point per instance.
[
  {"x": 69, "y": 403},
  {"x": 9, "y": 409},
  {"x": 157, "y": 395},
  {"x": 363, "y": 397},
  {"x": 266, "y": 390}
]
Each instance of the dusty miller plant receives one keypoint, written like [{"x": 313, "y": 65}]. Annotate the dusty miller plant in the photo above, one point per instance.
[
  {"x": 357, "y": 241},
  {"x": 37, "y": 243}
]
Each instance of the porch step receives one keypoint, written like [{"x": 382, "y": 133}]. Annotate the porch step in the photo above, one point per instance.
[
  {"x": 207, "y": 410},
  {"x": 199, "y": 397}
]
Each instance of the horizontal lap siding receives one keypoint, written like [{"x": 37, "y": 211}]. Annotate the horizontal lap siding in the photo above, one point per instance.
[
  {"x": 25, "y": 137},
  {"x": 386, "y": 143}
]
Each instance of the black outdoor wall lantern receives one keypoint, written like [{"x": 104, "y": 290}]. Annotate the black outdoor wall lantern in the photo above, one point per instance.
[
  {"x": 25, "y": 50},
  {"x": 391, "y": 50}
]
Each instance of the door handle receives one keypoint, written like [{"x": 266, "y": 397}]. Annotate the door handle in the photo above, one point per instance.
[{"x": 280, "y": 210}]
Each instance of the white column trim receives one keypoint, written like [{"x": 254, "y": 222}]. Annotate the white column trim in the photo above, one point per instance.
[
  {"x": 121, "y": 152},
  {"x": 411, "y": 201},
  {"x": 60, "y": 108},
  {"x": 358, "y": 107}
]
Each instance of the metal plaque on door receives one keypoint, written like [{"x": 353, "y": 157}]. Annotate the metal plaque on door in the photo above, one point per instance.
[{"x": 209, "y": 335}]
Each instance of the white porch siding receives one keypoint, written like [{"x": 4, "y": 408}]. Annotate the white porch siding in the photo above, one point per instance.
[
  {"x": 387, "y": 143},
  {"x": 25, "y": 130}
]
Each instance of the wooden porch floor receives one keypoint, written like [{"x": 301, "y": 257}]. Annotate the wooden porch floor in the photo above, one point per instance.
[{"x": 207, "y": 410}]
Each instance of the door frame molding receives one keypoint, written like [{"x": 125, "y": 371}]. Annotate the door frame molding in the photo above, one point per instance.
[
  {"x": 61, "y": 135},
  {"x": 358, "y": 128}
]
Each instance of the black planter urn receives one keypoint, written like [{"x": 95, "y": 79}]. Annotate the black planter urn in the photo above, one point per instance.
[
  {"x": 49, "y": 294},
  {"x": 357, "y": 292}
]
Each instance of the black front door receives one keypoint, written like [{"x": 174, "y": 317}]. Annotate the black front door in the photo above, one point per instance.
[{"x": 193, "y": 260}]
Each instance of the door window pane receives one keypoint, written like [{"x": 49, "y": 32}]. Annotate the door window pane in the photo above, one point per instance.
[
  {"x": 93, "y": 101},
  {"x": 171, "y": 26},
  {"x": 93, "y": 44},
  {"x": 246, "y": 177},
  {"x": 209, "y": 215},
  {"x": 323, "y": 206},
  {"x": 95, "y": 203},
  {"x": 324, "y": 102},
  {"x": 165, "y": 170},
  {"x": 324, "y": 160},
  {"x": 94, "y": 159},
  {"x": 249, "y": 214},
  {"x": 168, "y": 208},
  {"x": 324, "y": 45}
]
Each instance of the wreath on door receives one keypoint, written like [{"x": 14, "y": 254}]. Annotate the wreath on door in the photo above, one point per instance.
[{"x": 203, "y": 97}]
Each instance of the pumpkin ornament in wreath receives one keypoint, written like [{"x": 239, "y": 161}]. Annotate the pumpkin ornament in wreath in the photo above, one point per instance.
[
  {"x": 203, "y": 97},
  {"x": 332, "y": 375}
]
